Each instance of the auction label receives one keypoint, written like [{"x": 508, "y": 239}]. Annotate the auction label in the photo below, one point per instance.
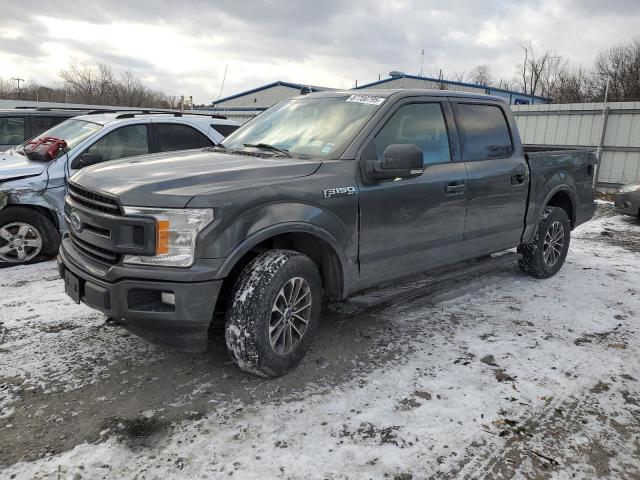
[{"x": 366, "y": 99}]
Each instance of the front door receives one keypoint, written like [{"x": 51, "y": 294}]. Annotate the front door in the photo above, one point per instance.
[
  {"x": 497, "y": 178},
  {"x": 407, "y": 226}
]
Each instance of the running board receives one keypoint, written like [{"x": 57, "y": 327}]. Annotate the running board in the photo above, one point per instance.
[{"x": 427, "y": 286}]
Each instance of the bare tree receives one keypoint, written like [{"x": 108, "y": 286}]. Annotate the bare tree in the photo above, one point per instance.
[
  {"x": 620, "y": 67},
  {"x": 481, "y": 75}
]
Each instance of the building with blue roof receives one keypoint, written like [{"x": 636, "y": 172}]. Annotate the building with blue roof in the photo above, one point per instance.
[{"x": 243, "y": 106}]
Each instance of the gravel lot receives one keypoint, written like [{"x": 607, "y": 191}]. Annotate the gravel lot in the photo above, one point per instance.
[{"x": 499, "y": 376}]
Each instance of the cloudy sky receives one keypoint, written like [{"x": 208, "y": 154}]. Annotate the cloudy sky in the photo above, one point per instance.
[{"x": 183, "y": 47}]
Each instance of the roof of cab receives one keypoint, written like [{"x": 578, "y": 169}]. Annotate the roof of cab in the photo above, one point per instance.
[{"x": 402, "y": 92}]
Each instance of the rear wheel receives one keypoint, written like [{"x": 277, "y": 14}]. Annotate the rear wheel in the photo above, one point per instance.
[
  {"x": 274, "y": 312},
  {"x": 26, "y": 236},
  {"x": 546, "y": 254}
]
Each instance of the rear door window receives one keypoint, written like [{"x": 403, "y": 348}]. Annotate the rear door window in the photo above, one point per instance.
[
  {"x": 11, "y": 130},
  {"x": 121, "y": 143},
  {"x": 485, "y": 133},
  {"x": 174, "y": 136}
]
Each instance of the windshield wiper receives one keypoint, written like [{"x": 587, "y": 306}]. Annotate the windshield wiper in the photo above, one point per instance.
[{"x": 272, "y": 148}]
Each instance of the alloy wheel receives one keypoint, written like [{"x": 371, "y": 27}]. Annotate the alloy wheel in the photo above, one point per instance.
[
  {"x": 290, "y": 315},
  {"x": 19, "y": 242},
  {"x": 553, "y": 244}
]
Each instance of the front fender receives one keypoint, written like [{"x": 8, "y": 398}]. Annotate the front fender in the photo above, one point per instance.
[{"x": 231, "y": 240}]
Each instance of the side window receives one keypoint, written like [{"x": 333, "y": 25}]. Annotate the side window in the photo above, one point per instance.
[
  {"x": 11, "y": 130},
  {"x": 421, "y": 124},
  {"x": 224, "y": 130},
  {"x": 121, "y": 143},
  {"x": 40, "y": 124},
  {"x": 485, "y": 133},
  {"x": 173, "y": 136}
]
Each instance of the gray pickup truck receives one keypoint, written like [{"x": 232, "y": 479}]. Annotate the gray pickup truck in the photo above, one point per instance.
[{"x": 319, "y": 197}]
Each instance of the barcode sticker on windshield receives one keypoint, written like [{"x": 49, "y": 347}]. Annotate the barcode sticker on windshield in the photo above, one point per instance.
[{"x": 366, "y": 99}]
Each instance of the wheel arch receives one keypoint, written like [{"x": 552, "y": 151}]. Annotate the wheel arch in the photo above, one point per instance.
[
  {"x": 315, "y": 242},
  {"x": 563, "y": 197}
]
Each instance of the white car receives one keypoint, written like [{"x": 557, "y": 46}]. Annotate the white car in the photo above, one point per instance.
[{"x": 34, "y": 175}]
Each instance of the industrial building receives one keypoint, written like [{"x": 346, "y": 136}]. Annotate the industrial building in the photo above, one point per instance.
[{"x": 243, "y": 106}]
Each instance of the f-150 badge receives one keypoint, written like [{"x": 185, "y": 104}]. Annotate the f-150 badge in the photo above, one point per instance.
[{"x": 338, "y": 192}]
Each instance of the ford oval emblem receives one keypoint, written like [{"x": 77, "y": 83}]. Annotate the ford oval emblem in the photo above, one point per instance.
[{"x": 75, "y": 221}]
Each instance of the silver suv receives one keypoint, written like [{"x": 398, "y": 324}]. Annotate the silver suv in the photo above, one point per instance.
[{"x": 34, "y": 175}]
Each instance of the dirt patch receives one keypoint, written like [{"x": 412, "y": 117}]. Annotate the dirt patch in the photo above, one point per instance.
[{"x": 59, "y": 327}]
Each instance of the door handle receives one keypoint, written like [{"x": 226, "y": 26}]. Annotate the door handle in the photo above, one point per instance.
[
  {"x": 455, "y": 188},
  {"x": 517, "y": 178}
]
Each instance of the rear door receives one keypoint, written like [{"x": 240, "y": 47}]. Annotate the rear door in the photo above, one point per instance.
[
  {"x": 411, "y": 225},
  {"x": 497, "y": 177}
]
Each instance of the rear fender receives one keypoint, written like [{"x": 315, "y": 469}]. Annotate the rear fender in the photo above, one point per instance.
[{"x": 534, "y": 214}]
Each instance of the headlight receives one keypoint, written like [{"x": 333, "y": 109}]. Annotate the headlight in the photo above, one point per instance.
[
  {"x": 632, "y": 187},
  {"x": 176, "y": 233}
]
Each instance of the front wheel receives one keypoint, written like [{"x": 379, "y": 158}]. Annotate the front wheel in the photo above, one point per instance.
[
  {"x": 543, "y": 257},
  {"x": 275, "y": 309},
  {"x": 26, "y": 236}
]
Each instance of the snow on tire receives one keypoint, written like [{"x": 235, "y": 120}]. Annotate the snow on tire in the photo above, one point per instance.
[
  {"x": 545, "y": 255},
  {"x": 274, "y": 312}
]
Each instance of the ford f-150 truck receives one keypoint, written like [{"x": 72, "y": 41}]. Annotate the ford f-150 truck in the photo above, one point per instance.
[{"x": 317, "y": 198}]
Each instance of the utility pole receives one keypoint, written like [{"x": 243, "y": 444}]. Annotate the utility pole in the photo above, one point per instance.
[
  {"x": 18, "y": 80},
  {"x": 422, "y": 63}
]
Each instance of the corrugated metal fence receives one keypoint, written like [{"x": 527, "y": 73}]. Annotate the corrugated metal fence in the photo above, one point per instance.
[{"x": 614, "y": 128}]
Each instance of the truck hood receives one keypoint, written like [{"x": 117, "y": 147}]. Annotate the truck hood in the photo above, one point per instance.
[
  {"x": 172, "y": 179},
  {"x": 14, "y": 166}
]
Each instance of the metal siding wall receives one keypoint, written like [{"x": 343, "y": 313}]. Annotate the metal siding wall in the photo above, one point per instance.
[
  {"x": 404, "y": 82},
  {"x": 263, "y": 98},
  {"x": 581, "y": 125}
]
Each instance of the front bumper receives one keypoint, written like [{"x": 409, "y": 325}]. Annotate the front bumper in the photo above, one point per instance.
[
  {"x": 137, "y": 303},
  {"x": 627, "y": 203}
]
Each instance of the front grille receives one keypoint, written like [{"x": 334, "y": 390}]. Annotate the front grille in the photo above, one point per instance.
[
  {"x": 93, "y": 251},
  {"x": 93, "y": 200}
]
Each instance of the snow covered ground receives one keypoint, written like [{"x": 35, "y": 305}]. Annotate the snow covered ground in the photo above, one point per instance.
[{"x": 515, "y": 378}]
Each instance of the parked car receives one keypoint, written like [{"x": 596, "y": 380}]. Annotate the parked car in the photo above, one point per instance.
[
  {"x": 20, "y": 124},
  {"x": 34, "y": 176},
  {"x": 320, "y": 196},
  {"x": 627, "y": 200}
]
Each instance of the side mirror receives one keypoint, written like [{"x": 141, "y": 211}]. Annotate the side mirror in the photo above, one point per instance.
[
  {"x": 85, "y": 160},
  {"x": 398, "y": 161}
]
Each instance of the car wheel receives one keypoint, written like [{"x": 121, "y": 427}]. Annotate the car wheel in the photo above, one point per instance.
[
  {"x": 543, "y": 257},
  {"x": 274, "y": 311},
  {"x": 26, "y": 236}
]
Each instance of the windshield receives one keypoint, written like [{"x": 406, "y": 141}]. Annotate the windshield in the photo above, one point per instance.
[
  {"x": 72, "y": 131},
  {"x": 307, "y": 127}
]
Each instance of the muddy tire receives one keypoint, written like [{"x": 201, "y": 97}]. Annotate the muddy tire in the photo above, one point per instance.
[
  {"x": 546, "y": 254},
  {"x": 274, "y": 311},
  {"x": 26, "y": 236}
]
